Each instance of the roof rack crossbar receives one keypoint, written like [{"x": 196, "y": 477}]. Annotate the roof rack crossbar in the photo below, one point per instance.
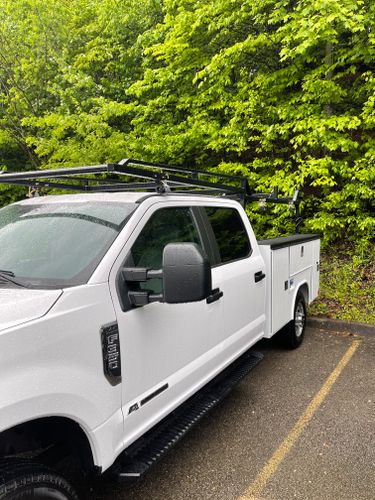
[
  {"x": 169, "y": 168},
  {"x": 170, "y": 178},
  {"x": 131, "y": 186},
  {"x": 57, "y": 172},
  {"x": 38, "y": 184}
]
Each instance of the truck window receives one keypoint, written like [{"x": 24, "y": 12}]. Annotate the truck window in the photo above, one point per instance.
[
  {"x": 230, "y": 233},
  {"x": 58, "y": 245},
  {"x": 167, "y": 225}
]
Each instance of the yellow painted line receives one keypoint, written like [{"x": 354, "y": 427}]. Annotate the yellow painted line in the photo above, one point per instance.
[{"x": 257, "y": 486}]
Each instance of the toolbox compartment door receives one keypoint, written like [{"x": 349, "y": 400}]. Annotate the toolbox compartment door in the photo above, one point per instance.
[
  {"x": 300, "y": 257},
  {"x": 280, "y": 302}
]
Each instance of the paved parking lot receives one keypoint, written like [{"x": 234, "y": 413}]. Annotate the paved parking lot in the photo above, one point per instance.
[{"x": 301, "y": 425}]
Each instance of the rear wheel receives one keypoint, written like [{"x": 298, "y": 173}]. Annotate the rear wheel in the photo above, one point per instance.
[
  {"x": 24, "y": 480},
  {"x": 295, "y": 329}
]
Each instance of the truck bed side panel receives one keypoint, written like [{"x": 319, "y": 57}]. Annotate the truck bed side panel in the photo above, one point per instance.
[{"x": 291, "y": 262}]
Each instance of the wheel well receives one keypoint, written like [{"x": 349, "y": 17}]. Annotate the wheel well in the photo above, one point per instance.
[
  {"x": 50, "y": 440},
  {"x": 304, "y": 290}
]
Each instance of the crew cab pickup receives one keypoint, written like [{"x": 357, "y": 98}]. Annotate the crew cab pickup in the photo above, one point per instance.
[{"x": 124, "y": 317}]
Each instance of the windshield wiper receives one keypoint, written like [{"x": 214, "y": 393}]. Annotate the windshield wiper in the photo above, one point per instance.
[
  {"x": 9, "y": 277},
  {"x": 8, "y": 273}
]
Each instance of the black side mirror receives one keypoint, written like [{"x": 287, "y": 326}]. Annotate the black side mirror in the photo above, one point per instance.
[{"x": 186, "y": 273}]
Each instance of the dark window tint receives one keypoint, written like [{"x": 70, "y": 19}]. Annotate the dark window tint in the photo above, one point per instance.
[
  {"x": 230, "y": 233},
  {"x": 168, "y": 225}
]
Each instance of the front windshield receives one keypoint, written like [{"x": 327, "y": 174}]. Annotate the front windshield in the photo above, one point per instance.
[{"x": 56, "y": 245}]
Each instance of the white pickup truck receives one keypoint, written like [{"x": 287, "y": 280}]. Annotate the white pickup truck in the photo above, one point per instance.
[{"x": 126, "y": 316}]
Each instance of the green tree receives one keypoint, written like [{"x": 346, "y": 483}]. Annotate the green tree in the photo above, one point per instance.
[
  {"x": 90, "y": 123},
  {"x": 32, "y": 33},
  {"x": 279, "y": 91},
  {"x": 64, "y": 71}
]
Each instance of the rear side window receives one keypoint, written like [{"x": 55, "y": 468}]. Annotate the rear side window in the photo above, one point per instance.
[{"x": 230, "y": 233}]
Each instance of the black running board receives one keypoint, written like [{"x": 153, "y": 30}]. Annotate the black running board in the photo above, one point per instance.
[{"x": 140, "y": 456}]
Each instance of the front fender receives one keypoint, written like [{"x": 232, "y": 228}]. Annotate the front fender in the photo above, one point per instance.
[{"x": 53, "y": 366}]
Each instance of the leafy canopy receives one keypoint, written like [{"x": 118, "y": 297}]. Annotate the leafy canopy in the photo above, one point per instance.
[{"x": 282, "y": 92}]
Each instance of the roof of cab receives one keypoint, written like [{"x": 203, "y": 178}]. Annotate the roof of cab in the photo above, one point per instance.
[
  {"x": 118, "y": 197},
  {"x": 124, "y": 197}
]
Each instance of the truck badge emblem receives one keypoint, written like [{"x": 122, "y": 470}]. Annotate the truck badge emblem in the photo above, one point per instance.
[
  {"x": 134, "y": 407},
  {"x": 111, "y": 353}
]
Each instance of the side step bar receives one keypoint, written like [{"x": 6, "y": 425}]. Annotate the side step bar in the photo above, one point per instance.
[{"x": 140, "y": 456}]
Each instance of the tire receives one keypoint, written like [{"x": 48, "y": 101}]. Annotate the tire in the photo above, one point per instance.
[
  {"x": 24, "y": 480},
  {"x": 295, "y": 329}
]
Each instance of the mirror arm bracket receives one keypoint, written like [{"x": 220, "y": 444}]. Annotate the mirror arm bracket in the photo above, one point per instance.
[
  {"x": 142, "y": 298},
  {"x": 140, "y": 274},
  {"x": 152, "y": 274}
]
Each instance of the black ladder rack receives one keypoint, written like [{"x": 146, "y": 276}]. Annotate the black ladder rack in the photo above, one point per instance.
[{"x": 160, "y": 178}]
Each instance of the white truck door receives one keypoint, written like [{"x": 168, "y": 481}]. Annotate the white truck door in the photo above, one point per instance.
[
  {"x": 242, "y": 280},
  {"x": 163, "y": 346}
]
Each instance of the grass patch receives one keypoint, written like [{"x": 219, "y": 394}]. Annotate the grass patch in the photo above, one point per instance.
[{"x": 347, "y": 286}]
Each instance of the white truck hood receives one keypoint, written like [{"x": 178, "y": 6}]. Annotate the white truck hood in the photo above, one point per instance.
[{"x": 19, "y": 305}]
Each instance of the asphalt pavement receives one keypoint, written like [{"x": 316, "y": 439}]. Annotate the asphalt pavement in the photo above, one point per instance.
[{"x": 300, "y": 426}]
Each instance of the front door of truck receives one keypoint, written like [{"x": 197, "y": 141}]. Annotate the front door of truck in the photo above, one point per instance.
[{"x": 164, "y": 347}]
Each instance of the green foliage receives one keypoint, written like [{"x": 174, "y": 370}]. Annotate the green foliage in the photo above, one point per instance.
[
  {"x": 31, "y": 39},
  {"x": 347, "y": 289},
  {"x": 10, "y": 159},
  {"x": 282, "y": 92},
  {"x": 274, "y": 90},
  {"x": 64, "y": 71}
]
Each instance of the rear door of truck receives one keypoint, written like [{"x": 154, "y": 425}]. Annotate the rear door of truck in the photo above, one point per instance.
[{"x": 241, "y": 277}]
